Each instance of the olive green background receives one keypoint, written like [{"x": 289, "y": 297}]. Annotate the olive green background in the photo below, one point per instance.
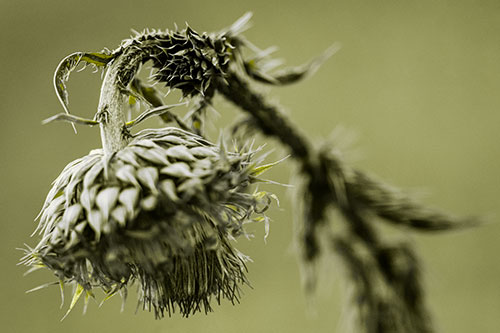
[{"x": 418, "y": 81}]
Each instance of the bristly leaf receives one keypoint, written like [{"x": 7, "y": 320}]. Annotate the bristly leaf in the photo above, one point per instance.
[{"x": 396, "y": 207}]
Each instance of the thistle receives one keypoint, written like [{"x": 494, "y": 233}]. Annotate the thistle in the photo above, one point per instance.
[{"x": 160, "y": 207}]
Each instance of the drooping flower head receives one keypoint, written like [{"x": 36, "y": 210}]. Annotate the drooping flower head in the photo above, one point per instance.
[
  {"x": 158, "y": 208},
  {"x": 160, "y": 212}
]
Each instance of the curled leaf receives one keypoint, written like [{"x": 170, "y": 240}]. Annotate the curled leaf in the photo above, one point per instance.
[{"x": 67, "y": 65}]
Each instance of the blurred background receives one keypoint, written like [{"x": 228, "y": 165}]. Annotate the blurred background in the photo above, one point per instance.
[{"x": 416, "y": 81}]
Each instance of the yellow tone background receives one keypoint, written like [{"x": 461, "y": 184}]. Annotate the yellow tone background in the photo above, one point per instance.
[{"x": 417, "y": 80}]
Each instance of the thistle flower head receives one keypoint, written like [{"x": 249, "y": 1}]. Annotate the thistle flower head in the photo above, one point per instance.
[
  {"x": 160, "y": 212},
  {"x": 186, "y": 59},
  {"x": 191, "y": 61}
]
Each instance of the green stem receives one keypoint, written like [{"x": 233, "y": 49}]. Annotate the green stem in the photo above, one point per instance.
[{"x": 112, "y": 102}]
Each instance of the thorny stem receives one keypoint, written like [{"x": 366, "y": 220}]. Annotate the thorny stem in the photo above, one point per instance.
[
  {"x": 269, "y": 120},
  {"x": 358, "y": 196},
  {"x": 352, "y": 190}
]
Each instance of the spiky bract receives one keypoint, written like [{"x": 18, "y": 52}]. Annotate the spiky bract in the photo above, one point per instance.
[
  {"x": 161, "y": 212},
  {"x": 183, "y": 59}
]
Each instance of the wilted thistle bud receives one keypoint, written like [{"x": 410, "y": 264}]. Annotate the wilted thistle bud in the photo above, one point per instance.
[
  {"x": 160, "y": 212},
  {"x": 185, "y": 59}
]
